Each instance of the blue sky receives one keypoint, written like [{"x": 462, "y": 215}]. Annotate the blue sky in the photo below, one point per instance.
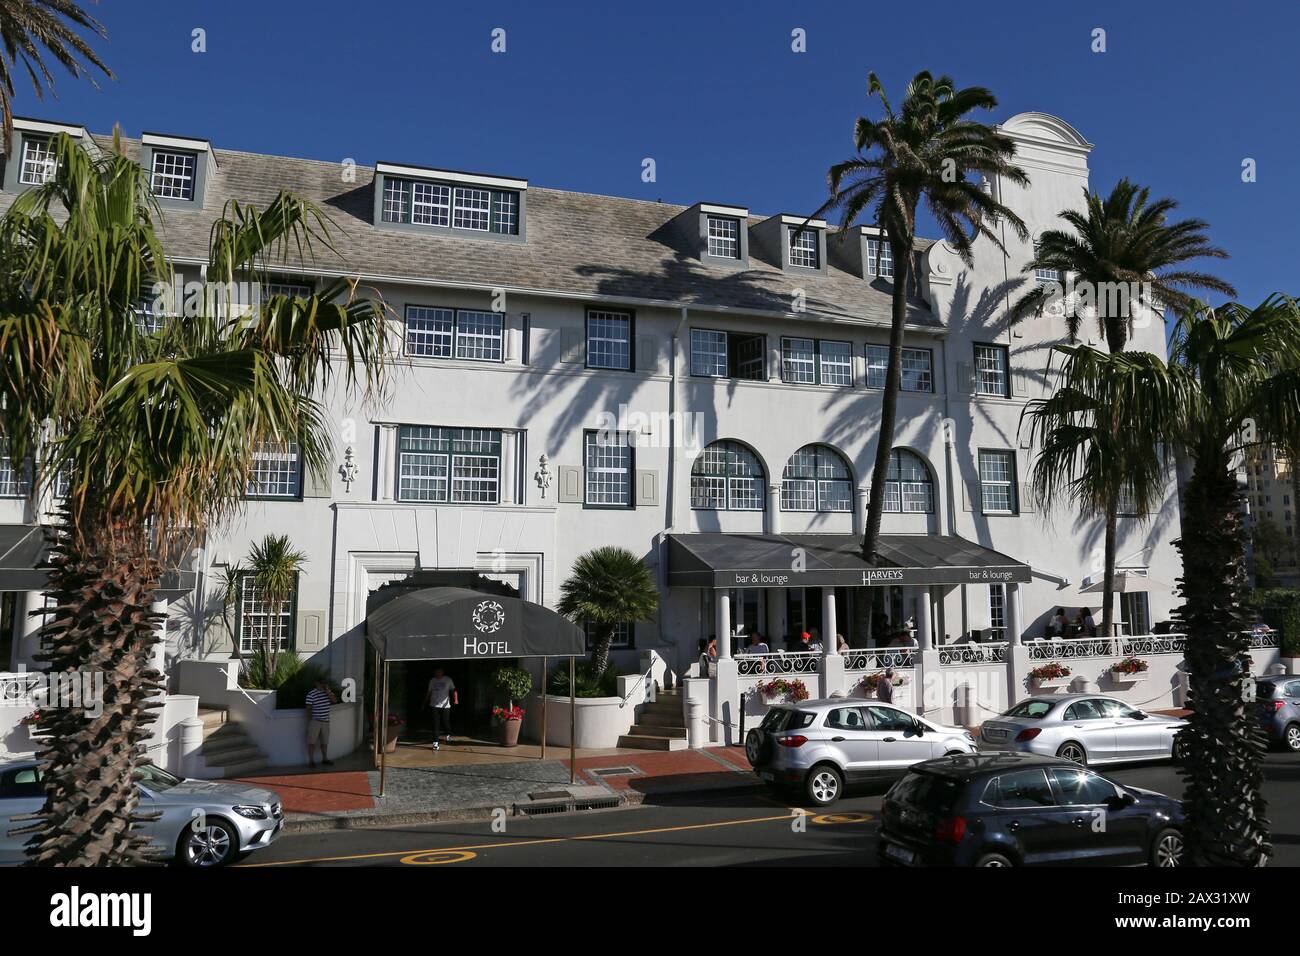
[{"x": 713, "y": 92}]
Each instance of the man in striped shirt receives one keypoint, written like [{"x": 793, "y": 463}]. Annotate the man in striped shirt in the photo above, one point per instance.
[{"x": 319, "y": 701}]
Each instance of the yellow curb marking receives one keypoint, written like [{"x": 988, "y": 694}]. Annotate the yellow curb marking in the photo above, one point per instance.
[
  {"x": 438, "y": 856},
  {"x": 831, "y": 819}
]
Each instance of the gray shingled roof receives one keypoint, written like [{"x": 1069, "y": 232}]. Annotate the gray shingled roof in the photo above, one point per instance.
[{"x": 577, "y": 244}]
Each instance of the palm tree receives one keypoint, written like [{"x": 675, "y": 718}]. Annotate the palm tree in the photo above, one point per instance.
[
  {"x": 155, "y": 431},
  {"x": 923, "y": 153},
  {"x": 27, "y": 26},
  {"x": 1232, "y": 381},
  {"x": 1124, "y": 254},
  {"x": 1127, "y": 254},
  {"x": 273, "y": 567},
  {"x": 609, "y": 586}
]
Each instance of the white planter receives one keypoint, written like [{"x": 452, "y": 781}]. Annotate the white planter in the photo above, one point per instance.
[
  {"x": 1127, "y": 680},
  {"x": 598, "y": 721},
  {"x": 1052, "y": 684}
]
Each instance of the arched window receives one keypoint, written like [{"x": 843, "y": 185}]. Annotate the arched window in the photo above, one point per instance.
[
  {"x": 727, "y": 476},
  {"x": 816, "y": 478},
  {"x": 908, "y": 486}
]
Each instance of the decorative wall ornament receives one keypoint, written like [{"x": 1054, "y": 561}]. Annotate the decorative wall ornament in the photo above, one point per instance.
[
  {"x": 543, "y": 475},
  {"x": 348, "y": 470}
]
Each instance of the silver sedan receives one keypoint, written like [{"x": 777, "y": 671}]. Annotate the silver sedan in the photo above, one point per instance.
[
  {"x": 1085, "y": 728},
  {"x": 202, "y": 823}
]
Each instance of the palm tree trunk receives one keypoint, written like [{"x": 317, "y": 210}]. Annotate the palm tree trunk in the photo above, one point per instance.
[
  {"x": 1108, "y": 586},
  {"x": 102, "y": 628},
  {"x": 888, "y": 401},
  {"x": 1222, "y": 746},
  {"x": 600, "y": 649}
]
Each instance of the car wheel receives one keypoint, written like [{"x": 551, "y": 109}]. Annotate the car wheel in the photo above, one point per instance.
[
  {"x": 1178, "y": 753},
  {"x": 824, "y": 785},
  {"x": 1167, "y": 849},
  {"x": 214, "y": 844},
  {"x": 756, "y": 745},
  {"x": 993, "y": 859},
  {"x": 1073, "y": 752},
  {"x": 1291, "y": 737}
]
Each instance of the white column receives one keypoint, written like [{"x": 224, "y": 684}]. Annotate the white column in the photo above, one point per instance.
[
  {"x": 860, "y": 499},
  {"x": 722, "y": 621},
  {"x": 774, "y": 508},
  {"x": 387, "y": 460},
  {"x": 506, "y": 480},
  {"x": 1013, "y": 613},
  {"x": 924, "y": 619},
  {"x": 829, "y": 625}
]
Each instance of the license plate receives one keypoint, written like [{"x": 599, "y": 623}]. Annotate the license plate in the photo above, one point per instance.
[
  {"x": 994, "y": 734},
  {"x": 901, "y": 854}
]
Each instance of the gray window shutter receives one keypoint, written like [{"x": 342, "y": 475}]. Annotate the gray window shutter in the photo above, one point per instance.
[
  {"x": 965, "y": 381},
  {"x": 573, "y": 347},
  {"x": 647, "y": 489},
  {"x": 311, "y": 630},
  {"x": 570, "y": 484},
  {"x": 217, "y": 637},
  {"x": 1024, "y": 500},
  {"x": 647, "y": 353},
  {"x": 318, "y": 485},
  {"x": 1019, "y": 383},
  {"x": 969, "y": 494}
]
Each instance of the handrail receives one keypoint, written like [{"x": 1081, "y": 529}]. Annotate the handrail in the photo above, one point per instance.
[{"x": 639, "y": 678}]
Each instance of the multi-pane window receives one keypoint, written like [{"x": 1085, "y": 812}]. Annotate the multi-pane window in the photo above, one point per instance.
[
  {"x": 1127, "y": 504},
  {"x": 430, "y": 204},
  {"x": 723, "y": 354},
  {"x": 804, "y": 248},
  {"x": 609, "y": 339},
  {"x": 998, "y": 611},
  {"x": 608, "y": 469},
  {"x": 472, "y": 208},
  {"x": 727, "y": 476},
  {"x": 448, "y": 464},
  {"x": 916, "y": 373},
  {"x": 997, "y": 482},
  {"x": 423, "y": 203},
  {"x": 621, "y": 638},
  {"x": 38, "y": 163},
  {"x": 172, "y": 176},
  {"x": 277, "y": 471},
  {"x": 991, "y": 370},
  {"x": 461, "y": 333},
  {"x": 724, "y": 237},
  {"x": 263, "y": 623},
  {"x": 816, "y": 478},
  {"x": 908, "y": 486},
  {"x": 1047, "y": 275},
  {"x": 814, "y": 362},
  {"x": 880, "y": 259},
  {"x": 15, "y": 482}
]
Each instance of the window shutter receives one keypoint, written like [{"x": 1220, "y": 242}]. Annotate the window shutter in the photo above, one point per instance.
[
  {"x": 965, "y": 382},
  {"x": 570, "y": 484},
  {"x": 318, "y": 485},
  {"x": 647, "y": 353},
  {"x": 647, "y": 489},
  {"x": 217, "y": 636},
  {"x": 572, "y": 346},
  {"x": 1019, "y": 386},
  {"x": 969, "y": 494},
  {"x": 310, "y": 630},
  {"x": 1024, "y": 501}
]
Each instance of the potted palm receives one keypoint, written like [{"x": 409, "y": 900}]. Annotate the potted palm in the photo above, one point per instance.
[
  {"x": 609, "y": 586},
  {"x": 513, "y": 683}
]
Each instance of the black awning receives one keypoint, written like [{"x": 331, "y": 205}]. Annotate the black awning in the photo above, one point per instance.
[
  {"x": 728, "y": 560},
  {"x": 22, "y": 548},
  {"x": 444, "y": 623}
]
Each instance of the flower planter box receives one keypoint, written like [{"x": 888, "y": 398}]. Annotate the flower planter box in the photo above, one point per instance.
[
  {"x": 1119, "y": 677},
  {"x": 1051, "y": 683}
]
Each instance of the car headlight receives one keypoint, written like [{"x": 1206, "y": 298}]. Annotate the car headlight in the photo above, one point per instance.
[
  {"x": 970, "y": 736},
  {"x": 253, "y": 813}
]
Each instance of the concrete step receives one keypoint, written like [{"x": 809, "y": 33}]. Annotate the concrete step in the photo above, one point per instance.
[
  {"x": 222, "y": 732},
  {"x": 661, "y": 719},
  {"x": 232, "y": 755},
  {"x": 212, "y": 717},
  {"x": 242, "y": 769},
  {"x": 642, "y": 742},
  {"x": 654, "y": 730}
]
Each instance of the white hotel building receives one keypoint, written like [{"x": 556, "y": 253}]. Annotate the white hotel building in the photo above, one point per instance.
[{"x": 742, "y": 362}]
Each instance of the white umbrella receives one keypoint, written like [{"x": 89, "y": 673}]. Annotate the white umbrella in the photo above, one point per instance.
[{"x": 1126, "y": 581}]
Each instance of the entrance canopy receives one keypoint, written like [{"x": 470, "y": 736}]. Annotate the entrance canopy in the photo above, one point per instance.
[
  {"x": 445, "y": 623},
  {"x": 722, "y": 560}
]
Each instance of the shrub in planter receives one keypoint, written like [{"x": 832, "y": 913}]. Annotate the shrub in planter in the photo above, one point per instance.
[
  {"x": 587, "y": 684},
  {"x": 1129, "y": 666},
  {"x": 512, "y": 683},
  {"x": 870, "y": 682},
  {"x": 790, "y": 691},
  {"x": 1053, "y": 670}
]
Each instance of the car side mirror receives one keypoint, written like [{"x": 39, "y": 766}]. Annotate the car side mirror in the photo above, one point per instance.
[
  {"x": 1121, "y": 800},
  {"x": 1138, "y": 715},
  {"x": 919, "y": 728}
]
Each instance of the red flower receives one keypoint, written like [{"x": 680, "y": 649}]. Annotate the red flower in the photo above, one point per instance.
[{"x": 514, "y": 712}]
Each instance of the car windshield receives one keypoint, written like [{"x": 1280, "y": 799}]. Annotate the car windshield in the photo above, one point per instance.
[
  {"x": 155, "y": 778},
  {"x": 1033, "y": 709},
  {"x": 926, "y": 792}
]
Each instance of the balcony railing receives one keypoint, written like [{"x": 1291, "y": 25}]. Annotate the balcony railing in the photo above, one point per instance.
[
  {"x": 795, "y": 662},
  {"x": 877, "y": 658},
  {"x": 982, "y": 653},
  {"x": 16, "y": 689}
]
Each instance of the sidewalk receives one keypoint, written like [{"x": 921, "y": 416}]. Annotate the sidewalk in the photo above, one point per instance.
[{"x": 471, "y": 780}]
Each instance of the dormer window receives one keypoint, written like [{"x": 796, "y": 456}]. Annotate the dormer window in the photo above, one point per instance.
[
  {"x": 437, "y": 200},
  {"x": 804, "y": 248},
  {"x": 179, "y": 168},
  {"x": 880, "y": 259},
  {"x": 38, "y": 164},
  {"x": 172, "y": 176},
  {"x": 724, "y": 237}
]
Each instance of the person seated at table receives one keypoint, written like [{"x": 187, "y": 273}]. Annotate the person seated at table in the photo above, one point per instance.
[
  {"x": 810, "y": 640},
  {"x": 756, "y": 643},
  {"x": 1084, "y": 624},
  {"x": 1059, "y": 624},
  {"x": 841, "y": 644}
]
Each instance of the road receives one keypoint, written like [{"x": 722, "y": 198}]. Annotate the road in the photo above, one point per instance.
[{"x": 713, "y": 829}]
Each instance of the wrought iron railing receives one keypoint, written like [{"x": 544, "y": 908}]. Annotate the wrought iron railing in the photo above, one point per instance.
[
  {"x": 981, "y": 653},
  {"x": 796, "y": 662},
  {"x": 16, "y": 688},
  {"x": 876, "y": 658},
  {"x": 1056, "y": 648},
  {"x": 1151, "y": 644}
]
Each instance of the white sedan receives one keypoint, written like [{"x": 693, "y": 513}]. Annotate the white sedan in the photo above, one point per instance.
[{"x": 1085, "y": 728}]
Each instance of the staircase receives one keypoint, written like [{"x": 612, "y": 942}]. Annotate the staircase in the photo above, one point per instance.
[
  {"x": 659, "y": 726},
  {"x": 227, "y": 751}
]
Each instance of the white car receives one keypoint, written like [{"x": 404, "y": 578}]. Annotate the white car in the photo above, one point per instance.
[{"x": 1086, "y": 728}]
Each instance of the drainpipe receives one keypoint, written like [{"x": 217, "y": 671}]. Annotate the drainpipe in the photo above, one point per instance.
[
  {"x": 670, "y": 483},
  {"x": 949, "y": 441}
]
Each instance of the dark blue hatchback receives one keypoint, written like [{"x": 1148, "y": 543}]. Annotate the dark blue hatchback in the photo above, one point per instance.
[{"x": 1013, "y": 809}]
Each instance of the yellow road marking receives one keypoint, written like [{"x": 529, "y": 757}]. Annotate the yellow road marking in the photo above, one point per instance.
[
  {"x": 540, "y": 841},
  {"x": 830, "y": 819}
]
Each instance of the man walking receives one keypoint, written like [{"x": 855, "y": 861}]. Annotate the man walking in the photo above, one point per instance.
[
  {"x": 885, "y": 689},
  {"x": 319, "y": 701},
  {"x": 442, "y": 694}
]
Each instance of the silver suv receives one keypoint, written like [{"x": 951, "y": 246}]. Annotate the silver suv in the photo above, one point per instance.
[{"x": 818, "y": 746}]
